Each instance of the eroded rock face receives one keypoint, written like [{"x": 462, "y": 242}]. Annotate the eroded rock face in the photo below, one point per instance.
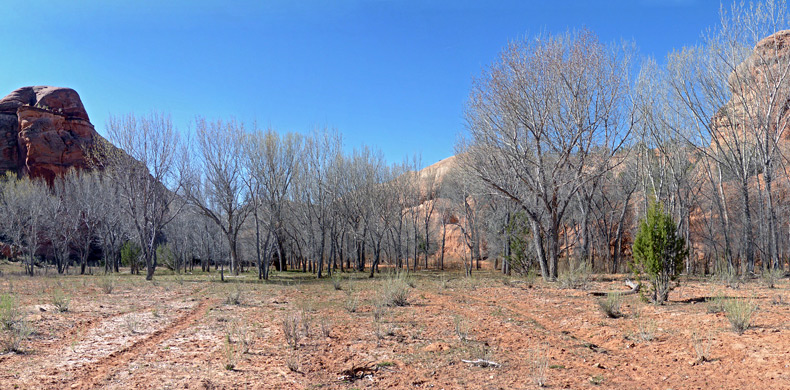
[{"x": 44, "y": 132}]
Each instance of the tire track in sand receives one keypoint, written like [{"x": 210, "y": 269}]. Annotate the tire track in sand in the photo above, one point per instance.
[{"x": 96, "y": 373}]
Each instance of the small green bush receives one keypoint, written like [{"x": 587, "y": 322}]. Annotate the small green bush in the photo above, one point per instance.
[
  {"x": 130, "y": 253},
  {"x": 659, "y": 251},
  {"x": 10, "y": 313},
  {"x": 14, "y": 338},
  {"x": 337, "y": 281}
]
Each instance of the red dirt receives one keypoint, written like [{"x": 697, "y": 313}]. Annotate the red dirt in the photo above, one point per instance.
[{"x": 181, "y": 333}]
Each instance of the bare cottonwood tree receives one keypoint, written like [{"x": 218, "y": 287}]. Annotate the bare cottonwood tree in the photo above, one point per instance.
[
  {"x": 543, "y": 121},
  {"x": 216, "y": 180},
  {"x": 735, "y": 88},
  {"x": 26, "y": 206},
  {"x": 146, "y": 172},
  {"x": 272, "y": 162}
]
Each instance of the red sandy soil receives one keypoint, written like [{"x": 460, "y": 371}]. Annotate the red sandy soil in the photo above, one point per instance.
[{"x": 180, "y": 333}]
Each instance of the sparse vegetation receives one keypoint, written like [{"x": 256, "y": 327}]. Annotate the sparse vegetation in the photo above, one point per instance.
[
  {"x": 538, "y": 366},
  {"x": 233, "y": 295},
  {"x": 739, "y": 312},
  {"x": 351, "y": 303},
  {"x": 291, "y": 326},
  {"x": 60, "y": 300},
  {"x": 15, "y": 337},
  {"x": 461, "y": 328},
  {"x": 610, "y": 306},
  {"x": 715, "y": 303},
  {"x": 770, "y": 277},
  {"x": 395, "y": 290},
  {"x": 702, "y": 346},
  {"x": 326, "y": 327},
  {"x": 307, "y": 260},
  {"x": 337, "y": 281},
  {"x": 106, "y": 283},
  {"x": 577, "y": 276},
  {"x": 10, "y": 313}
]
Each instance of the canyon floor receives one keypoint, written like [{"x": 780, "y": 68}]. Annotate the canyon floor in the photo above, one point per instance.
[{"x": 194, "y": 332}]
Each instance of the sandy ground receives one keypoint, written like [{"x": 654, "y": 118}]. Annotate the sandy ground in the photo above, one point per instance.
[{"x": 181, "y": 333}]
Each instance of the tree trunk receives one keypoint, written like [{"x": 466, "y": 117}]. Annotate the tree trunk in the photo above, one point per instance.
[
  {"x": 541, "y": 252},
  {"x": 748, "y": 235}
]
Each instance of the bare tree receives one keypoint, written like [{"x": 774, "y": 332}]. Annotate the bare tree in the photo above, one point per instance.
[
  {"x": 272, "y": 162},
  {"x": 25, "y": 207},
  {"x": 147, "y": 175},
  {"x": 544, "y": 120},
  {"x": 216, "y": 180},
  {"x": 735, "y": 89}
]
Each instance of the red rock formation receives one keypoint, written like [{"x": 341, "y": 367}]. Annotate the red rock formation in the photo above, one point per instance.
[{"x": 44, "y": 131}]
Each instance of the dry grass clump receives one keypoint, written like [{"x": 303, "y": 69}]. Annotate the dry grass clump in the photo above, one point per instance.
[
  {"x": 538, "y": 366},
  {"x": 702, "y": 347},
  {"x": 60, "y": 300},
  {"x": 106, "y": 283},
  {"x": 295, "y": 326},
  {"x": 15, "y": 329},
  {"x": 576, "y": 277},
  {"x": 233, "y": 295},
  {"x": 770, "y": 277},
  {"x": 395, "y": 290},
  {"x": 611, "y": 305},
  {"x": 739, "y": 312}
]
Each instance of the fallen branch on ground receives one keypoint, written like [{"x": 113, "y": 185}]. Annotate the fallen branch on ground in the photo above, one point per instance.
[
  {"x": 482, "y": 363},
  {"x": 634, "y": 289}
]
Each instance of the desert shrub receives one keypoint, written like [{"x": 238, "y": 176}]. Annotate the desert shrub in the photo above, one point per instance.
[
  {"x": 130, "y": 253},
  {"x": 233, "y": 295},
  {"x": 726, "y": 275},
  {"x": 14, "y": 338},
  {"x": 461, "y": 328},
  {"x": 395, "y": 290},
  {"x": 444, "y": 282},
  {"x": 290, "y": 326},
  {"x": 351, "y": 303},
  {"x": 739, "y": 312},
  {"x": 645, "y": 328},
  {"x": 337, "y": 281},
  {"x": 132, "y": 323},
  {"x": 715, "y": 304},
  {"x": 230, "y": 354},
  {"x": 60, "y": 300},
  {"x": 292, "y": 362},
  {"x": 577, "y": 276},
  {"x": 243, "y": 336},
  {"x": 701, "y": 347},
  {"x": 769, "y": 277},
  {"x": 10, "y": 312},
  {"x": 379, "y": 310},
  {"x": 106, "y": 283},
  {"x": 610, "y": 306},
  {"x": 326, "y": 327},
  {"x": 538, "y": 366},
  {"x": 659, "y": 251}
]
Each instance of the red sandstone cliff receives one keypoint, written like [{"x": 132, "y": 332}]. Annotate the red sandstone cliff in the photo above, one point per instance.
[{"x": 44, "y": 131}]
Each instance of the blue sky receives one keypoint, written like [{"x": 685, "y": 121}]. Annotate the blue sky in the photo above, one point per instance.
[{"x": 391, "y": 74}]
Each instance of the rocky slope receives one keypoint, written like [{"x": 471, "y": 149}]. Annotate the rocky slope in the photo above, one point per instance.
[{"x": 45, "y": 131}]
